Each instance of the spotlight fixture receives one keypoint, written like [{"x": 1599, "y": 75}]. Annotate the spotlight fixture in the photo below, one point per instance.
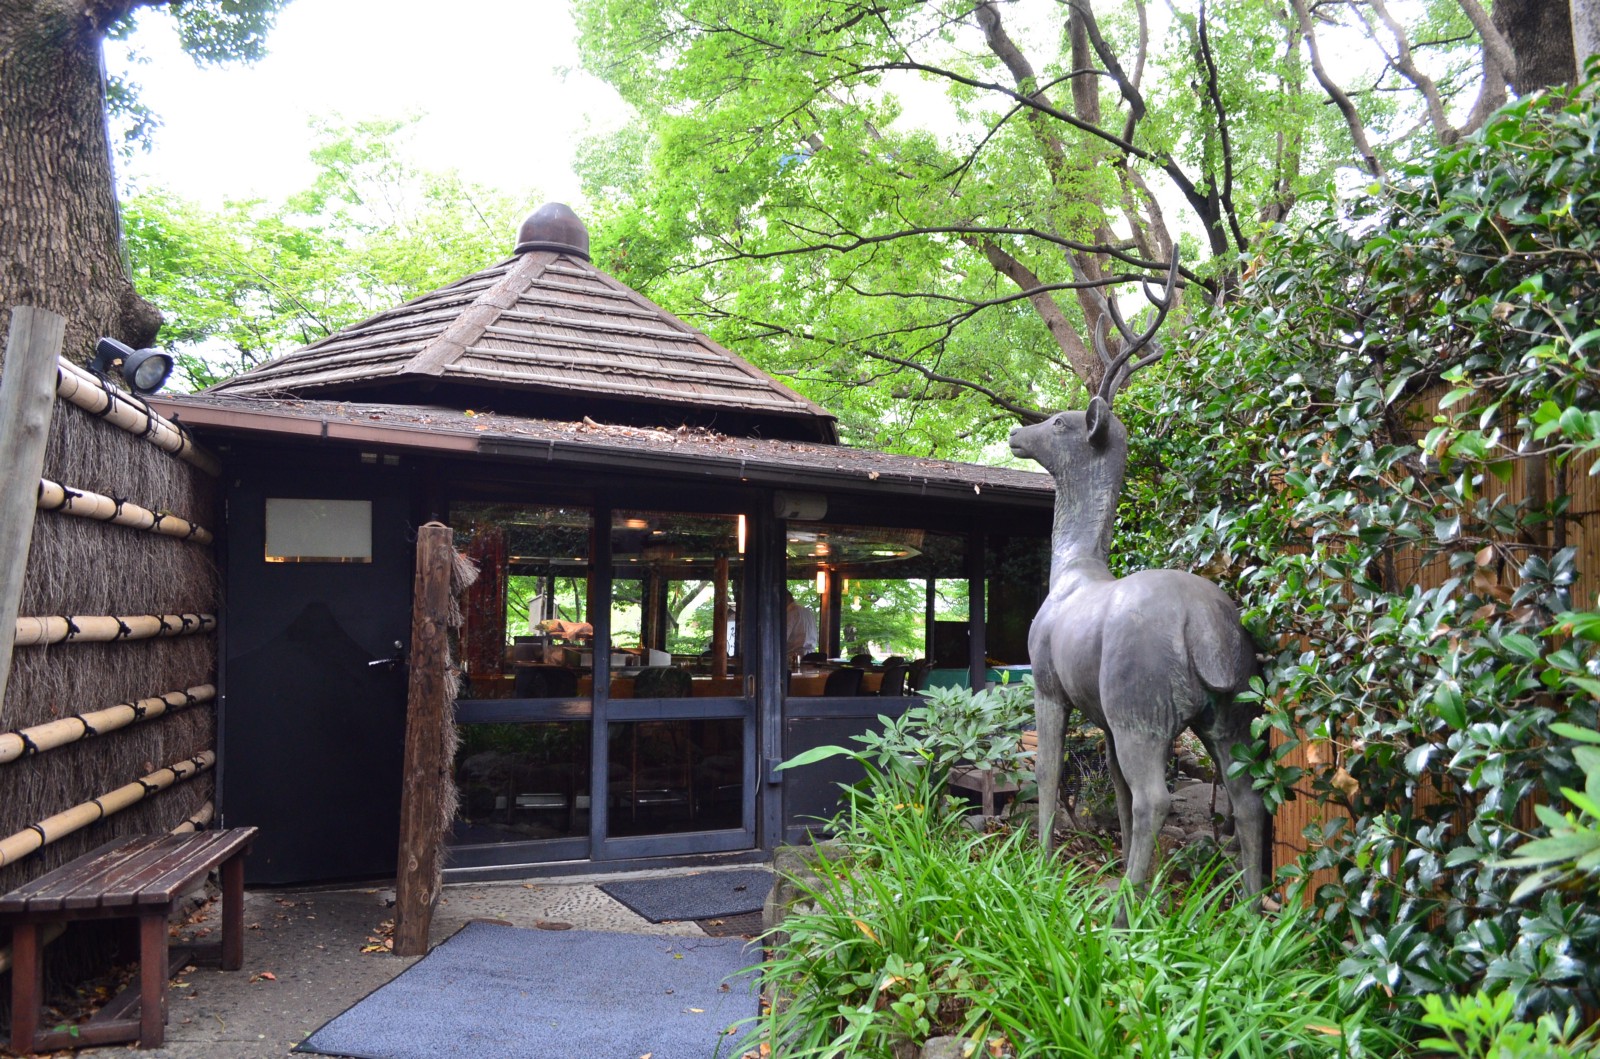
[{"x": 144, "y": 370}]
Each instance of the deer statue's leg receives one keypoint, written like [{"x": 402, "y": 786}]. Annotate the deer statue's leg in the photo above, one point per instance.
[
  {"x": 1249, "y": 812},
  {"x": 1050, "y": 714},
  {"x": 1143, "y": 759},
  {"x": 1119, "y": 790}
]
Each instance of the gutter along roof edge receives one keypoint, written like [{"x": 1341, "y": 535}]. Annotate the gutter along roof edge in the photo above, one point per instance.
[{"x": 589, "y": 454}]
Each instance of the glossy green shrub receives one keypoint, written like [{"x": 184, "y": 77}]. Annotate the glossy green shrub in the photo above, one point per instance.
[{"x": 1292, "y": 457}]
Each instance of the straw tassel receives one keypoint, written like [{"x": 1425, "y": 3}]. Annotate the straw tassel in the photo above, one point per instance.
[
  {"x": 51, "y": 829},
  {"x": 48, "y": 736},
  {"x": 98, "y": 397},
  {"x": 54, "y": 496},
  {"x": 104, "y": 628}
]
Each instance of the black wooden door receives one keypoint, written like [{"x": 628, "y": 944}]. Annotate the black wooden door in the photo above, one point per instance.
[{"x": 313, "y": 719}]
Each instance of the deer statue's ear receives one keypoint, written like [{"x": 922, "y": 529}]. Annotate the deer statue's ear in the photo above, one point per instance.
[{"x": 1097, "y": 421}]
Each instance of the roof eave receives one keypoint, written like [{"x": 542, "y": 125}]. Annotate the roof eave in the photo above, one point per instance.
[{"x": 586, "y": 454}]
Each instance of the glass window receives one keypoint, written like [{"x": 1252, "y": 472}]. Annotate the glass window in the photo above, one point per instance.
[
  {"x": 668, "y": 777},
  {"x": 879, "y": 600},
  {"x": 318, "y": 531},
  {"x": 527, "y": 633},
  {"x": 676, "y": 590},
  {"x": 520, "y": 782}
]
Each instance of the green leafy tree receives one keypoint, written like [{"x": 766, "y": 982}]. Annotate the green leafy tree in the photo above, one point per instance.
[
  {"x": 916, "y": 205},
  {"x": 60, "y": 245},
  {"x": 247, "y": 281}
]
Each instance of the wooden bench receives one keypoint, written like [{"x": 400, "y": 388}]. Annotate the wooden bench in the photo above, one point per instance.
[{"x": 140, "y": 878}]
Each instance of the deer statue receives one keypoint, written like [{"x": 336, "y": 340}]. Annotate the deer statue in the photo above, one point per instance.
[{"x": 1142, "y": 656}]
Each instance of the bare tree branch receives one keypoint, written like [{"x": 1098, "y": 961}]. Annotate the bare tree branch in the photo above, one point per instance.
[{"x": 1352, "y": 119}]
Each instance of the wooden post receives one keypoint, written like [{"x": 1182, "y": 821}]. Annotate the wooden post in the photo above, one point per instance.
[
  {"x": 422, "y": 791},
  {"x": 27, "y": 400}
]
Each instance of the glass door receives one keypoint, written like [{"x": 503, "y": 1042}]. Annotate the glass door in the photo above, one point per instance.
[
  {"x": 674, "y": 761},
  {"x": 524, "y": 764}
]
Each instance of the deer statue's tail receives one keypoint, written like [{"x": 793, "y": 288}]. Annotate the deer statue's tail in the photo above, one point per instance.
[{"x": 1223, "y": 653}]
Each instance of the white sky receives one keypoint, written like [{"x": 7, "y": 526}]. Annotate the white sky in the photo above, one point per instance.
[{"x": 491, "y": 76}]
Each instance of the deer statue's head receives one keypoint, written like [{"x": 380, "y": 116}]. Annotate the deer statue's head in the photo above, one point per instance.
[{"x": 1086, "y": 452}]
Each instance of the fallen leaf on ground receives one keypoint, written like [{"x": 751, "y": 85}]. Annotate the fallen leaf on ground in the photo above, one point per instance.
[{"x": 264, "y": 976}]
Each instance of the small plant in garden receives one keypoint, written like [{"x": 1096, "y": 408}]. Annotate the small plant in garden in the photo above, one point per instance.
[
  {"x": 954, "y": 726},
  {"x": 1482, "y": 1026},
  {"x": 923, "y": 929}
]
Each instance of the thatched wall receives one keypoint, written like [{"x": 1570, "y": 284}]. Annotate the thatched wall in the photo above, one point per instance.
[{"x": 79, "y": 566}]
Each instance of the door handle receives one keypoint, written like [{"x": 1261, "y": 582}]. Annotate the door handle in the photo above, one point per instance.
[{"x": 390, "y": 663}]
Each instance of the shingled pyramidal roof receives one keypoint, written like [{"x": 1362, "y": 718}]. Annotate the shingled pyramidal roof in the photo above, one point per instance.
[{"x": 543, "y": 334}]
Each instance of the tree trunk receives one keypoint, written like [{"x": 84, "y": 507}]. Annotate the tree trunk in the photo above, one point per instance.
[
  {"x": 60, "y": 232},
  {"x": 1585, "y": 30},
  {"x": 1540, "y": 35}
]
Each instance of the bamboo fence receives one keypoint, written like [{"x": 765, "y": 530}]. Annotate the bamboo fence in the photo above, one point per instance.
[
  {"x": 54, "y": 828},
  {"x": 133, "y": 588},
  {"x": 100, "y": 398},
  {"x": 108, "y": 628},
  {"x": 85, "y": 504},
  {"x": 52, "y": 734}
]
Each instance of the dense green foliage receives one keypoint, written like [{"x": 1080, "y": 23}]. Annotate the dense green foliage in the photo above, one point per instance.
[
  {"x": 1418, "y": 603},
  {"x": 899, "y": 205},
  {"x": 242, "y": 283},
  {"x": 923, "y": 928}
]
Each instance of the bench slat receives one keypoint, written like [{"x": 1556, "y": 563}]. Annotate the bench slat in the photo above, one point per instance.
[
  {"x": 195, "y": 862},
  {"x": 172, "y": 852},
  {"x": 94, "y": 891},
  {"x": 68, "y": 875},
  {"x": 178, "y": 869}
]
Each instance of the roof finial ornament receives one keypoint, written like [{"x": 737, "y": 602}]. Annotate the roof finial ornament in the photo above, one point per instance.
[{"x": 553, "y": 226}]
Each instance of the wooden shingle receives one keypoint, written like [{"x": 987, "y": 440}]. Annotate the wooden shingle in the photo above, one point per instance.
[{"x": 544, "y": 322}]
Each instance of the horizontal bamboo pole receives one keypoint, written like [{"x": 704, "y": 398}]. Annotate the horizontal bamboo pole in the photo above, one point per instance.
[
  {"x": 198, "y": 821},
  {"x": 100, "y": 398},
  {"x": 33, "y": 838},
  {"x": 103, "y": 628},
  {"x": 51, "y": 734},
  {"x": 52, "y": 931},
  {"x": 53, "y": 496}
]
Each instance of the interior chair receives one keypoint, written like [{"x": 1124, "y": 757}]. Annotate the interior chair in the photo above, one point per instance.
[
  {"x": 897, "y": 660},
  {"x": 862, "y": 660},
  {"x": 894, "y": 679},
  {"x": 814, "y": 656},
  {"x": 545, "y": 682},
  {"x": 918, "y": 675},
  {"x": 663, "y": 682},
  {"x": 843, "y": 681}
]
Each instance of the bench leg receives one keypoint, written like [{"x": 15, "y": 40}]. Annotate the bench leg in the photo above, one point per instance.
[
  {"x": 233, "y": 913},
  {"x": 153, "y": 979},
  {"x": 27, "y": 986}
]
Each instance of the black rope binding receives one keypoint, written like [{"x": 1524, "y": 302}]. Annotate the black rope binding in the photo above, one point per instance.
[
  {"x": 187, "y": 621},
  {"x": 188, "y": 697},
  {"x": 44, "y": 838},
  {"x": 111, "y": 398},
  {"x": 149, "y": 788},
  {"x": 88, "y": 729},
  {"x": 72, "y": 626},
  {"x": 138, "y": 708},
  {"x": 124, "y": 630},
  {"x": 166, "y": 626},
  {"x": 116, "y": 510},
  {"x": 28, "y": 745}
]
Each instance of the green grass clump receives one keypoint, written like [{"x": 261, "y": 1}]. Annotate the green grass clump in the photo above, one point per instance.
[{"x": 928, "y": 929}]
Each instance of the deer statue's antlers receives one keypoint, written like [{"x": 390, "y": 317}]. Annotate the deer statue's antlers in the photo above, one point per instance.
[{"x": 1118, "y": 368}]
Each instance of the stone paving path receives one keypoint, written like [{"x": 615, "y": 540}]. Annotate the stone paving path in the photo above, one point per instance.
[{"x": 311, "y": 944}]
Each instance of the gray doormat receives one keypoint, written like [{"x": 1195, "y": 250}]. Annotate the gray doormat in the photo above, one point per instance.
[
  {"x": 699, "y": 896},
  {"x": 531, "y": 994}
]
